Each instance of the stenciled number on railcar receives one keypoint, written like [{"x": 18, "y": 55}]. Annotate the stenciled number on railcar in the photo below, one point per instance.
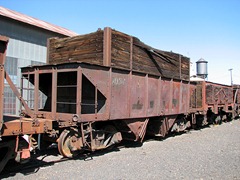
[{"x": 118, "y": 81}]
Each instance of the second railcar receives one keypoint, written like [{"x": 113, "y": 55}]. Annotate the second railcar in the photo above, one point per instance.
[{"x": 214, "y": 102}]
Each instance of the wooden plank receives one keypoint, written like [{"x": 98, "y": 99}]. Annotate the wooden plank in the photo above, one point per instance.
[
  {"x": 123, "y": 51},
  {"x": 145, "y": 69},
  {"x": 120, "y": 64},
  {"x": 71, "y": 48},
  {"x": 119, "y": 36},
  {"x": 95, "y": 58}
]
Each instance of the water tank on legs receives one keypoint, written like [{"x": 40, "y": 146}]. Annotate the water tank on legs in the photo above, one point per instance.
[{"x": 202, "y": 68}]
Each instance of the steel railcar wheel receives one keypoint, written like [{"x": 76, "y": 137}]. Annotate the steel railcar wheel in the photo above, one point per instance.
[{"x": 65, "y": 144}]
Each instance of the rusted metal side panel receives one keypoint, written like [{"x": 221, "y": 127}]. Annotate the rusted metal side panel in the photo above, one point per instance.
[
  {"x": 176, "y": 98},
  {"x": 98, "y": 77},
  {"x": 184, "y": 98},
  {"x": 3, "y": 48},
  {"x": 165, "y": 96},
  {"x": 119, "y": 95},
  {"x": 209, "y": 94},
  {"x": 203, "y": 95},
  {"x": 153, "y": 97},
  {"x": 193, "y": 97},
  {"x": 230, "y": 95},
  {"x": 138, "y": 95},
  {"x": 200, "y": 99},
  {"x": 148, "y": 96}
]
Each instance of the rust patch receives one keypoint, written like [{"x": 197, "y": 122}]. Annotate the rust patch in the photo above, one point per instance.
[
  {"x": 137, "y": 106},
  {"x": 151, "y": 104},
  {"x": 174, "y": 102}
]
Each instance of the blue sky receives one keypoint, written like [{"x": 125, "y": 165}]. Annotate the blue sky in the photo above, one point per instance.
[{"x": 208, "y": 29}]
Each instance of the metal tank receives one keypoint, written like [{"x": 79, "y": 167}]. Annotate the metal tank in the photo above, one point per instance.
[{"x": 202, "y": 68}]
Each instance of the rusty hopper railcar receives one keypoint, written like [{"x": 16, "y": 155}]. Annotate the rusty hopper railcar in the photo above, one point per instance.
[{"x": 95, "y": 106}]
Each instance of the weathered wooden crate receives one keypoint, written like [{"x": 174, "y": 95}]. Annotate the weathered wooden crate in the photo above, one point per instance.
[{"x": 115, "y": 49}]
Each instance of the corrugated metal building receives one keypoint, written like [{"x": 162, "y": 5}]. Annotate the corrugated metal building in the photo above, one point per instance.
[{"x": 27, "y": 46}]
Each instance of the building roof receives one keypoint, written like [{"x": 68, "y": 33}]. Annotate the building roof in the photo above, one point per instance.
[{"x": 35, "y": 22}]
